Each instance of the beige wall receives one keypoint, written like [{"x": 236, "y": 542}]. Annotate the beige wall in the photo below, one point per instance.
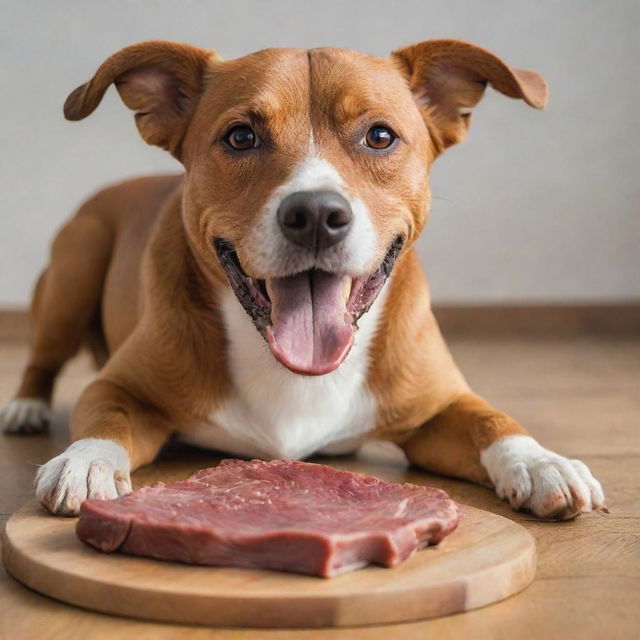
[{"x": 534, "y": 206}]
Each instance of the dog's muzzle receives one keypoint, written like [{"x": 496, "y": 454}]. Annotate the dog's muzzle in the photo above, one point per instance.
[{"x": 308, "y": 318}]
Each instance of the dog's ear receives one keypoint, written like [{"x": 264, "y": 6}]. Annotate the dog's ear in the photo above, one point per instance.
[
  {"x": 448, "y": 77},
  {"x": 160, "y": 81}
]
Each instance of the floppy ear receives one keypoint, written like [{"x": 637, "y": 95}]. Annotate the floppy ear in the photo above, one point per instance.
[
  {"x": 160, "y": 81},
  {"x": 449, "y": 76}
]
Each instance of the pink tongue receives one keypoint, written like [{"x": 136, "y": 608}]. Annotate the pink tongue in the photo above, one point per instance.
[{"x": 312, "y": 331}]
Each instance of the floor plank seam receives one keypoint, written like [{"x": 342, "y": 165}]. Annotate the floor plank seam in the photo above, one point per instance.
[{"x": 589, "y": 577}]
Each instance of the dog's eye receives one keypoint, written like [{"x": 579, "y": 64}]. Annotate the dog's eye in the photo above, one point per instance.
[
  {"x": 241, "y": 138},
  {"x": 379, "y": 137}
]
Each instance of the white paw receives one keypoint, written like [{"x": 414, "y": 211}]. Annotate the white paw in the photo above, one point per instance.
[
  {"x": 89, "y": 468},
  {"x": 25, "y": 416},
  {"x": 535, "y": 479}
]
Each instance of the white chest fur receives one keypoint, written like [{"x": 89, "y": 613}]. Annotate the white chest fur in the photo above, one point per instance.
[{"x": 274, "y": 413}]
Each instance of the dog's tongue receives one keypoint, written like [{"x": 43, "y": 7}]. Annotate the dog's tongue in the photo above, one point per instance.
[{"x": 311, "y": 331}]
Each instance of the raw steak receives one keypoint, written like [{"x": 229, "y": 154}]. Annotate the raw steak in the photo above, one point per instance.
[{"x": 291, "y": 516}]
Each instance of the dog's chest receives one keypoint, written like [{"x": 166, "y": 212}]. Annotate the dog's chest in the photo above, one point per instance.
[{"x": 275, "y": 414}]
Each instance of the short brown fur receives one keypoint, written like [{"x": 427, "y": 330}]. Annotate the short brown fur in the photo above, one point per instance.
[{"x": 139, "y": 254}]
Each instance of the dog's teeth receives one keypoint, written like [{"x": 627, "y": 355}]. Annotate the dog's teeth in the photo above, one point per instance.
[
  {"x": 272, "y": 298},
  {"x": 346, "y": 288},
  {"x": 269, "y": 288}
]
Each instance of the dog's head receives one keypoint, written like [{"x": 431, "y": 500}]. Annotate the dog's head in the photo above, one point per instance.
[{"x": 306, "y": 171}]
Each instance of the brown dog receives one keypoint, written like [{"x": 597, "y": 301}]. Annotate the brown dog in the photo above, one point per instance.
[{"x": 225, "y": 302}]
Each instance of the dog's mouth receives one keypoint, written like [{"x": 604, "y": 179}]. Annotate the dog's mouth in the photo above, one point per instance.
[{"x": 308, "y": 319}]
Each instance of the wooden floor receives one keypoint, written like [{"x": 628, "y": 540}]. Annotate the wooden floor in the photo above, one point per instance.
[{"x": 579, "y": 396}]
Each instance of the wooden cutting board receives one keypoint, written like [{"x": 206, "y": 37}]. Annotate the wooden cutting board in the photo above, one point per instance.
[{"x": 486, "y": 559}]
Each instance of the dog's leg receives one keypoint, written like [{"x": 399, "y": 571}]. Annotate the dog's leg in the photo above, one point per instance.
[
  {"x": 112, "y": 433},
  {"x": 65, "y": 299},
  {"x": 472, "y": 440}
]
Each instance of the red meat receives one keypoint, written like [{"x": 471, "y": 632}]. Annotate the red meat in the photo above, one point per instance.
[{"x": 289, "y": 516}]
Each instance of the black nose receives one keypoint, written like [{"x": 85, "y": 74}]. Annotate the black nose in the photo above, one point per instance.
[{"x": 315, "y": 220}]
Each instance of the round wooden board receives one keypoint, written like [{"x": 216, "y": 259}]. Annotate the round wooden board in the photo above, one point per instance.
[{"x": 486, "y": 559}]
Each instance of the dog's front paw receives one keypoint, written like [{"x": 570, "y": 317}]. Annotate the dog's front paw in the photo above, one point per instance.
[
  {"x": 89, "y": 468},
  {"x": 537, "y": 480},
  {"x": 25, "y": 416}
]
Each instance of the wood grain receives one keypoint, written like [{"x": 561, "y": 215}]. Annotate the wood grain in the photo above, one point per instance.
[
  {"x": 488, "y": 558},
  {"x": 578, "y": 395}
]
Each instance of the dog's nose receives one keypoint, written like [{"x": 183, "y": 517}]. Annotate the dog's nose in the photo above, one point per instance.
[{"x": 315, "y": 220}]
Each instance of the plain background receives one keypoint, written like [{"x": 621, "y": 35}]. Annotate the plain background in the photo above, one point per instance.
[{"x": 533, "y": 207}]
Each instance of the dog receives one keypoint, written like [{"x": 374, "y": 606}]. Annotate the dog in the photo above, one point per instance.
[{"x": 269, "y": 302}]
